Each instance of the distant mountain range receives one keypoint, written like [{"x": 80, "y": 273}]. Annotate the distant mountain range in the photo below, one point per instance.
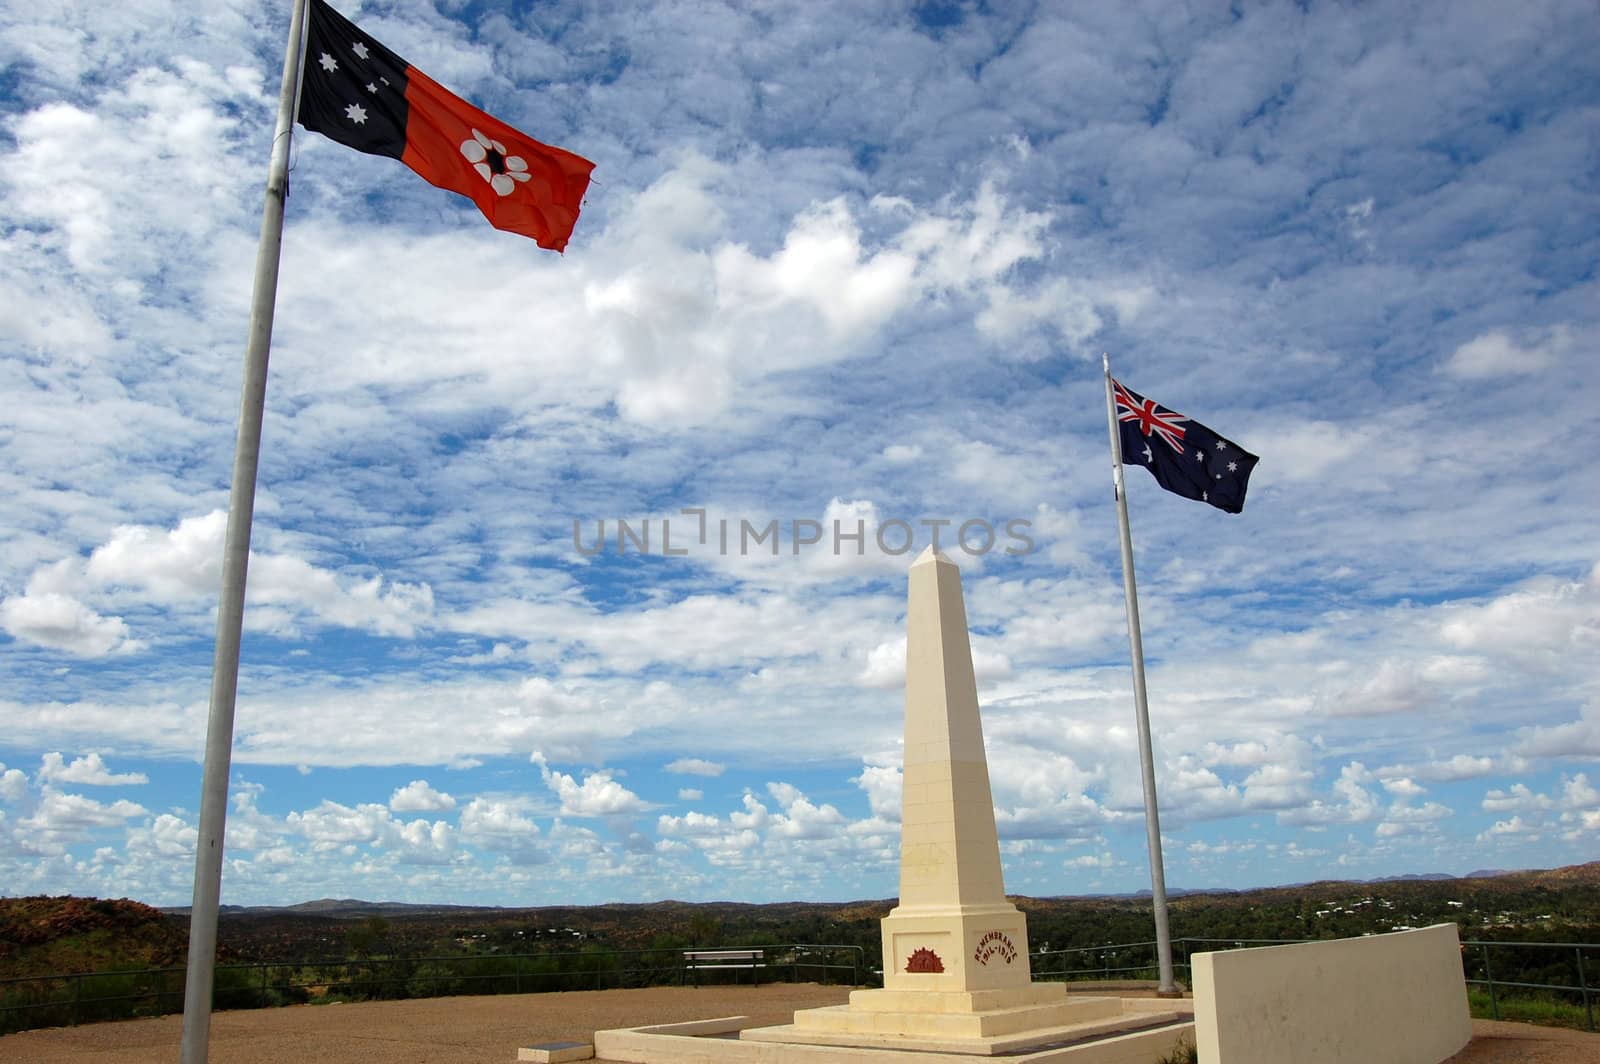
[{"x": 356, "y": 907}]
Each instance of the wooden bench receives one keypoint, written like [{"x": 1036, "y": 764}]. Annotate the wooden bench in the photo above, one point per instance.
[{"x": 716, "y": 960}]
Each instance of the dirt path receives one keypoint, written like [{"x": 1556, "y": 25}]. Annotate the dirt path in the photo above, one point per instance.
[
  {"x": 488, "y": 1030},
  {"x": 1523, "y": 1043}
]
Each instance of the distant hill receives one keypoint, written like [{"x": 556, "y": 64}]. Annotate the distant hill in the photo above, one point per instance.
[
  {"x": 342, "y": 907},
  {"x": 46, "y": 936}
]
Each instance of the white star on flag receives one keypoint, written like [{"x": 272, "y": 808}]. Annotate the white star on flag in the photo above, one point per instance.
[
  {"x": 360, "y": 50},
  {"x": 328, "y": 63},
  {"x": 356, "y": 113}
]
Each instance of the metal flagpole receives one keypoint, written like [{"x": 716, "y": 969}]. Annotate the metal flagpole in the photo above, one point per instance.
[
  {"x": 200, "y": 977},
  {"x": 1147, "y": 768}
]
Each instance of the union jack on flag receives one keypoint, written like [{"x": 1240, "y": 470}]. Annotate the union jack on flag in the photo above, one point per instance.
[{"x": 1183, "y": 455}]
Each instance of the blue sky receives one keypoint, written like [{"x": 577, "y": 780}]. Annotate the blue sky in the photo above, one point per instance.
[{"x": 845, "y": 263}]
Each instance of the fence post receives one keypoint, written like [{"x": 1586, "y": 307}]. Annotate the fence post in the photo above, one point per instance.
[
  {"x": 77, "y": 996},
  {"x": 1488, "y": 975},
  {"x": 1583, "y": 982}
]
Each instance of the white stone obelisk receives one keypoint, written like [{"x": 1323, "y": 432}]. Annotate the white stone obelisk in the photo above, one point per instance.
[
  {"x": 954, "y": 928},
  {"x": 955, "y": 950}
]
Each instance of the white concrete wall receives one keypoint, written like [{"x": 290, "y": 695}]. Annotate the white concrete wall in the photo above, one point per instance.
[{"x": 1385, "y": 999}]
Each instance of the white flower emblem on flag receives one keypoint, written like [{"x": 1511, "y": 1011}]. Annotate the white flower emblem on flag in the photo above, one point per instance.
[{"x": 489, "y": 158}]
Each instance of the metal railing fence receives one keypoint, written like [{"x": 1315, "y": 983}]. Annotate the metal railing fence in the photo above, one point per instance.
[
  {"x": 83, "y": 997},
  {"x": 1562, "y": 970},
  {"x": 1563, "y": 966}
]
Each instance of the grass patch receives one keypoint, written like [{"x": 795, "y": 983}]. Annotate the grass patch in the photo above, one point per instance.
[
  {"x": 1183, "y": 1053},
  {"x": 1547, "y": 1012}
]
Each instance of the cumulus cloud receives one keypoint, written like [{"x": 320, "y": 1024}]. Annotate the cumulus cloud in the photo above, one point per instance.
[
  {"x": 57, "y": 819},
  {"x": 1570, "y": 811},
  {"x": 13, "y": 785},
  {"x": 334, "y": 828},
  {"x": 497, "y": 817},
  {"x": 597, "y": 796},
  {"x": 883, "y": 785},
  {"x": 688, "y": 324},
  {"x": 89, "y": 769},
  {"x": 167, "y": 837},
  {"x": 1352, "y": 801},
  {"x": 419, "y": 796},
  {"x": 180, "y": 567},
  {"x": 64, "y": 623}
]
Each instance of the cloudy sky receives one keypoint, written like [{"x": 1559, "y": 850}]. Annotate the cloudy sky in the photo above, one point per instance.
[{"x": 850, "y": 268}]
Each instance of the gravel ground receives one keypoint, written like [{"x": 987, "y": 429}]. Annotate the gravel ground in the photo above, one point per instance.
[{"x": 488, "y": 1030}]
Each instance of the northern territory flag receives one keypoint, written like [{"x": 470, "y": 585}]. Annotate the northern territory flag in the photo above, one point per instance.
[{"x": 359, "y": 93}]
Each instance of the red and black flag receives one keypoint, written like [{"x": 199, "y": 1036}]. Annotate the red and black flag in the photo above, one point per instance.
[
  {"x": 359, "y": 93},
  {"x": 1183, "y": 455}
]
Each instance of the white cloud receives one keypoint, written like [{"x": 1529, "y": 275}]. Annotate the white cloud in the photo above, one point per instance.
[
  {"x": 13, "y": 785},
  {"x": 695, "y": 766},
  {"x": 900, "y": 453},
  {"x": 90, "y": 769},
  {"x": 1578, "y": 738},
  {"x": 331, "y": 825},
  {"x": 1572, "y": 811},
  {"x": 1459, "y": 767},
  {"x": 801, "y": 819},
  {"x": 58, "y": 819},
  {"x": 419, "y": 796},
  {"x": 483, "y": 816},
  {"x": 597, "y": 796},
  {"x": 140, "y": 565},
  {"x": 427, "y": 843},
  {"x": 63, "y": 623},
  {"x": 1498, "y": 354},
  {"x": 169, "y": 564},
  {"x": 166, "y": 838},
  {"x": 883, "y": 786},
  {"x": 1515, "y": 828},
  {"x": 504, "y": 824},
  {"x": 1539, "y": 625},
  {"x": 886, "y": 666},
  {"x": 1352, "y": 801}
]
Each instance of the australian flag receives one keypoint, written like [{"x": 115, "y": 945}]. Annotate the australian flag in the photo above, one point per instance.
[{"x": 1184, "y": 456}]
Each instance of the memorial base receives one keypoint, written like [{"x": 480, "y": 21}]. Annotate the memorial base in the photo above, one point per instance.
[
  {"x": 964, "y": 1017},
  {"x": 1098, "y": 1031}
]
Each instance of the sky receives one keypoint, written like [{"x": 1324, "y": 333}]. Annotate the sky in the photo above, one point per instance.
[{"x": 843, "y": 281}]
